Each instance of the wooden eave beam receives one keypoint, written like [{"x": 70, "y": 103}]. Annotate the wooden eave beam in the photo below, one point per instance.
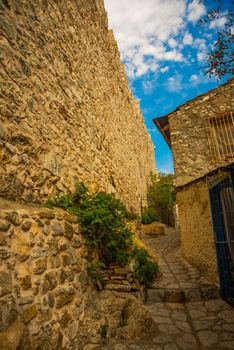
[{"x": 162, "y": 130}]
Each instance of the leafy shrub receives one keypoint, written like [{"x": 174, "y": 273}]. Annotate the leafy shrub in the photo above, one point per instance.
[
  {"x": 71, "y": 201},
  {"x": 102, "y": 218},
  {"x": 131, "y": 216},
  {"x": 144, "y": 268},
  {"x": 161, "y": 196},
  {"x": 103, "y": 221},
  {"x": 149, "y": 215}
]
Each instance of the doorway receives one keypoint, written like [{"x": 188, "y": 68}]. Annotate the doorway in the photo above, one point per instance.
[{"x": 222, "y": 208}]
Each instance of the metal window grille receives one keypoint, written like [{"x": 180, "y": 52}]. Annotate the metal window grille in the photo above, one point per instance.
[{"x": 220, "y": 134}]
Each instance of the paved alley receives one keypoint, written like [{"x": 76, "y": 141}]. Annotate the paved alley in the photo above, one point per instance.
[{"x": 185, "y": 306}]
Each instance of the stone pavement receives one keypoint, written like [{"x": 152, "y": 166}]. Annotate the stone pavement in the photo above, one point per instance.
[
  {"x": 186, "y": 308},
  {"x": 190, "y": 326},
  {"x": 180, "y": 282}
]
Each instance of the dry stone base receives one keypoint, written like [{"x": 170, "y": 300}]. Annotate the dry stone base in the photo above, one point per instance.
[
  {"x": 154, "y": 229},
  {"x": 46, "y": 298}
]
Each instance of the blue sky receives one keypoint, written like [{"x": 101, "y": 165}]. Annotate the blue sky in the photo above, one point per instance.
[{"x": 164, "y": 51}]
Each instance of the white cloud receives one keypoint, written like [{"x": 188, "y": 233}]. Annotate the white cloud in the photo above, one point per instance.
[
  {"x": 164, "y": 69},
  {"x": 153, "y": 131},
  {"x": 202, "y": 49},
  {"x": 196, "y": 79},
  {"x": 218, "y": 23},
  {"x": 172, "y": 56},
  {"x": 174, "y": 83},
  {"x": 198, "y": 43},
  {"x": 201, "y": 56},
  {"x": 167, "y": 170},
  {"x": 208, "y": 36},
  {"x": 142, "y": 29},
  {"x": 166, "y": 165},
  {"x": 188, "y": 39},
  {"x": 172, "y": 43},
  {"x": 193, "y": 78},
  {"x": 148, "y": 86},
  {"x": 195, "y": 11},
  {"x": 153, "y": 35}
]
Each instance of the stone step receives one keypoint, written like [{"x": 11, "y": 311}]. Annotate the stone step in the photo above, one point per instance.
[{"x": 186, "y": 295}]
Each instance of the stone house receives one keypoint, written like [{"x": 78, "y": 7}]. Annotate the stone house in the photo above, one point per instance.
[{"x": 200, "y": 134}]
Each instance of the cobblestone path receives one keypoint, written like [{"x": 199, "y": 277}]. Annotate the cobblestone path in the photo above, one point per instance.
[
  {"x": 180, "y": 282},
  {"x": 186, "y": 308}
]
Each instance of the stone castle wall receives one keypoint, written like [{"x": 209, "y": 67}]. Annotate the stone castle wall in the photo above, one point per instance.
[
  {"x": 189, "y": 140},
  {"x": 197, "y": 240},
  {"x": 67, "y": 113}
]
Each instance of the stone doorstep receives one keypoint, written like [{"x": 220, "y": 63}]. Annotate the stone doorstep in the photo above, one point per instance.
[
  {"x": 108, "y": 282},
  {"x": 107, "y": 278},
  {"x": 186, "y": 295},
  {"x": 112, "y": 281},
  {"x": 162, "y": 295},
  {"x": 118, "y": 287},
  {"x": 121, "y": 279}
]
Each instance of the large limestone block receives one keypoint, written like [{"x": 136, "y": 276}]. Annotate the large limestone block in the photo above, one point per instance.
[
  {"x": 9, "y": 339},
  {"x": 154, "y": 229},
  {"x": 20, "y": 246},
  {"x": 5, "y": 282}
]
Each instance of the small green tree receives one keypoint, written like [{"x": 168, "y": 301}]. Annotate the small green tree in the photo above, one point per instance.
[{"x": 161, "y": 195}]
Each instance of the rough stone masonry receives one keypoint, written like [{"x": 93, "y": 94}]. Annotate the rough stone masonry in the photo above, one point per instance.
[
  {"x": 47, "y": 301},
  {"x": 67, "y": 113}
]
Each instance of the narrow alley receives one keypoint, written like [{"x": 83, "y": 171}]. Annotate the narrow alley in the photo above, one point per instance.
[{"x": 185, "y": 306}]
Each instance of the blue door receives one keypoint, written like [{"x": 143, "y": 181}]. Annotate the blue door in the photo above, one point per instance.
[{"x": 222, "y": 207}]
